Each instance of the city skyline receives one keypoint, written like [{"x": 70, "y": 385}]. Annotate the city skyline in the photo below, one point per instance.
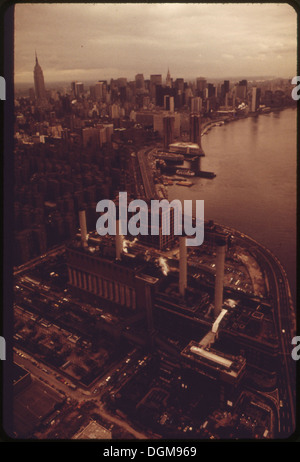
[
  {"x": 114, "y": 40},
  {"x": 150, "y": 287}
]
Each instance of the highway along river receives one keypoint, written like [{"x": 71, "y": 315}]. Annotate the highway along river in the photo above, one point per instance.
[{"x": 254, "y": 190}]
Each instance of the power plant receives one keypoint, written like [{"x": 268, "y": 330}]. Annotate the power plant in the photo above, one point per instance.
[{"x": 170, "y": 301}]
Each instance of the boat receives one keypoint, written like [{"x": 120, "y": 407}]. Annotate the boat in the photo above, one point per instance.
[
  {"x": 185, "y": 183},
  {"x": 185, "y": 172},
  {"x": 204, "y": 174}
]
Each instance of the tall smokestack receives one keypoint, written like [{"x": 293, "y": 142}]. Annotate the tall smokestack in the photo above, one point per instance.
[
  {"x": 118, "y": 241},
  {"x": 219, "y": 282},
  {"x": 182, "y": 265},
  {"x": 83, "y": 230}
]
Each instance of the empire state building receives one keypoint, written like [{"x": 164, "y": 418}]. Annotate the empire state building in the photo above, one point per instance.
[{"x": 39, "y": 84}]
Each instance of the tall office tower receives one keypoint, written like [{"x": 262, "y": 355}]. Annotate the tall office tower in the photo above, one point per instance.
[
  {"x": 225, "y": 91},
  {"x": 121, "y": 82},
  {"x": 241, "y": 90},
  {"x": 211, "y": 90},
  {"x": 79, "y": 89},
  {"x": 73, "y": 87},
  {"x": 168, "y": 123},
  {"x": 93, "y": 92},
  {"x": 169, "y": 103},
  {"x": 196, "y": 104},
  {"x": 155, "y": 79},
  {"x": 139, "y": 82},
  {"x": 195, "y": 128},
  {"x": 201, "y": 86},
  {"x": 179, "y": 85},
  {"x": 114, "y": 111},
  {"x": 103, "y": 84},
  {"x": 39, "y": 84},
  {"x": 226, "y": 86},
  {"x": 219, "y": 281},
  {"x": 99, "y": 91},
  {"x": 168, "y": 79},
  {"x": 255, "y": 99}
]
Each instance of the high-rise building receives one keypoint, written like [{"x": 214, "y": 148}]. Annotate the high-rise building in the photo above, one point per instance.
[
  {"x": 79, "y": 89},
  {"x": 211, "y": 90},
  {"x": 225, "y": 91},
  {"x": 179, "y": 85},
  {"x": 169, "y": 103},
  {"x": 201, "y": 84},
  {"x": 155, "y": 79},
  {"x": 39, "y": 84},
  {"x": 73, "y": 87},
  {"x": 168, "y": 79},
  {"x": 168, "y": 123},
  {"x": 196, "y": 104},
  {"x": 139, "y": 81},
  {"x": 255, "y": 99},
  {"x": 195, "y": 128},
  {"x": 241, "y": 90},
  {"x": 99, "y": 91}
]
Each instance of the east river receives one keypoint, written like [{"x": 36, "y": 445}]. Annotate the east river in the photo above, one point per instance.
[{"x": 254, "y": 191}]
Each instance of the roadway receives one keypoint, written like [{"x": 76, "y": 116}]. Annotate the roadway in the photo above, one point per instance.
[
  {"x": 51, "y": 378},
  {"x": 284, "y": 317},
  {"x": 144, "y": 169}
]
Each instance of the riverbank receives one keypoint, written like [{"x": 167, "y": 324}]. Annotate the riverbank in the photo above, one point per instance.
[
  {"x": 227, "y": 119},
  {"x": 254, "y": 190}
]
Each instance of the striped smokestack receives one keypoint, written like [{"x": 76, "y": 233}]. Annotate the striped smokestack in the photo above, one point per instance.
[
  {"x": 83, "y": 230},
  {"x": 118, "y": 241},
  {"x": 182, "y": 265},
  {"x": 219, "y": 282}
]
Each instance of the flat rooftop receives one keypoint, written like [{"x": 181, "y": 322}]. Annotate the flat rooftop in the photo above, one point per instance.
[
  {"x": 93, "y": 431},
  {"x": 215, "y": 360}
]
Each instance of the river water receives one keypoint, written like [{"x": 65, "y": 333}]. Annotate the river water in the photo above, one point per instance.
[{"x": 254, "y": 191}]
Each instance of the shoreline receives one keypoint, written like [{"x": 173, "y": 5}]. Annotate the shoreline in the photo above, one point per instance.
[{"x": 225, "y": 120}]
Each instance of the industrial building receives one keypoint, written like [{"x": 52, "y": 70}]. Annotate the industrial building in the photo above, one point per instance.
[{"x": 173, "y": 304}]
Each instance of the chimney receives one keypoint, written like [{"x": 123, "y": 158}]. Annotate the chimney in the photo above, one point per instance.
[
  {"x": 83, "y": 230},
  {"x": 118, "y": 241},
  {"x": 219, "y": 282},
  {"x": 182, "y": 265}
]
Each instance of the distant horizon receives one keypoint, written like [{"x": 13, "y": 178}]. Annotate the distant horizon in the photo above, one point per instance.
[{"x": 190, "y": 79}]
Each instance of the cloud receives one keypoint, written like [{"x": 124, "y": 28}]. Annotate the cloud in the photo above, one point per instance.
[{"x": 191, "y": 39}]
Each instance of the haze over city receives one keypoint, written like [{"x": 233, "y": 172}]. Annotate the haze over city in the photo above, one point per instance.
[{"x": 88, "y": 41}]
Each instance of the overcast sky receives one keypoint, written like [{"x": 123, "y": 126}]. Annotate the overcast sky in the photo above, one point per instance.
[{"x": 103, "y": 41}]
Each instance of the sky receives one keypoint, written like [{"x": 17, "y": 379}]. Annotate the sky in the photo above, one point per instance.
[{"x": 101, "y": 41}]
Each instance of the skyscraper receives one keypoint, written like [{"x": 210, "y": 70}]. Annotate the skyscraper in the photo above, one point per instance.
[
  {"x": 195, "y": 128},
  {"x": 139, "y": 82},
  {"x": 168, "y": 79},
  {"x": 201, "y": 85},
  {"x": 255, "y": 99},
  {"x": 241, "y": 90},
  {"x": 39, "y": 84},
  {"x": 155, "y": 79},
  {"x": 168, "y": 134}
]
